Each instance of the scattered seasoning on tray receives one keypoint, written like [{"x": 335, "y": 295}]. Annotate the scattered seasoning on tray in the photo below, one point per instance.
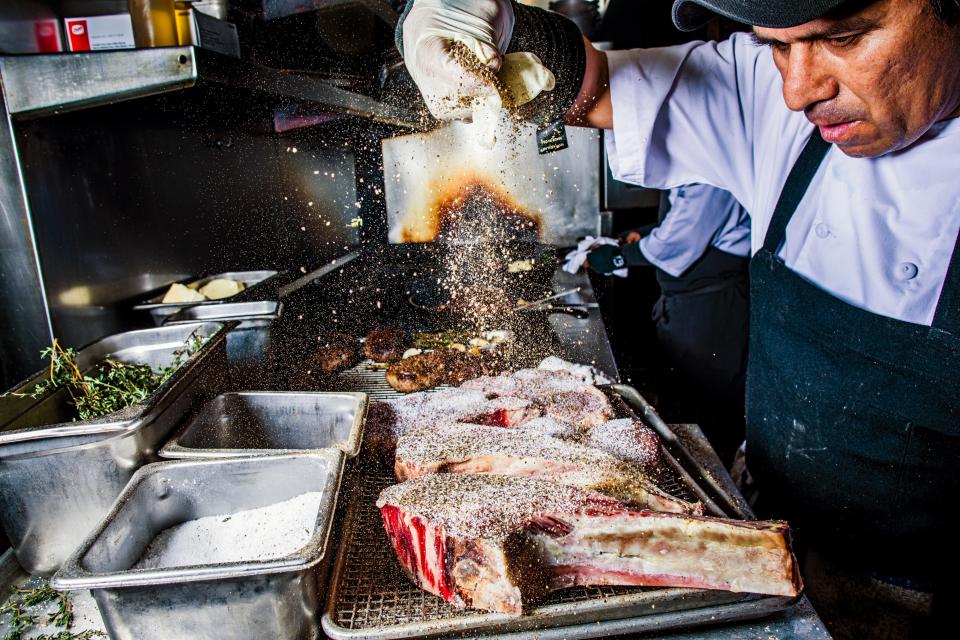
[
  {"x": 267, "y": 533},
  {"x": 112, "y": 386},
  {"x": 32, "y": 608}
]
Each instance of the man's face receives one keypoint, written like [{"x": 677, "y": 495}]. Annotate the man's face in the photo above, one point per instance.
[{"x": 873, "y": 81}]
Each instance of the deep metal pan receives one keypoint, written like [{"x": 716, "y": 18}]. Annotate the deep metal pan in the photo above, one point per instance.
[
  {"x": 56, "y": 487},
  {"x": 23, "y": 418},
  {"x": 270, "y": 597},
  {"x": 252, "y": 313},
  {"x": 252, "y": 423}
]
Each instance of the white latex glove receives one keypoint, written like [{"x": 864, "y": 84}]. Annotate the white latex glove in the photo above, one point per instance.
[{"x": 484, "y": 26}]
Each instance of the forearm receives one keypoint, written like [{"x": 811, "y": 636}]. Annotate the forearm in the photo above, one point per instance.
[{"x": 593, "y": 106}]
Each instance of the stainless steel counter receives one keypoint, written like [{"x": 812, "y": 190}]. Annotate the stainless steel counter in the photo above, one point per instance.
[{"x": 582, "y": 340}]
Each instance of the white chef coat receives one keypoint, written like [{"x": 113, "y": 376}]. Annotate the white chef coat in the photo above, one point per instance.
[
  {"x": 877, "y": 233},
  {"x": 700, "y": 216}
]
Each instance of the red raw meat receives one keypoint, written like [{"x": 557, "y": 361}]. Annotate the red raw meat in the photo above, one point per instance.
[
  {"x": 500, "y": 542},
  {"x": 467, "y": 448}
]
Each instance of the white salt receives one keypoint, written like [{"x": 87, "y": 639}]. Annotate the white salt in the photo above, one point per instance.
[{"x": 270, "y": 532}]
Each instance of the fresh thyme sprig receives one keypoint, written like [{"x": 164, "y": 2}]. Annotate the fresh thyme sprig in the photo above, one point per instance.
[
  {"x": 113, "y": 386},
  {"x": 62, "y": 618}
]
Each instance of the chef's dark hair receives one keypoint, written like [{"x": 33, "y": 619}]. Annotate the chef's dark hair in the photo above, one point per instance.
[{"x": 947, "y": 10}]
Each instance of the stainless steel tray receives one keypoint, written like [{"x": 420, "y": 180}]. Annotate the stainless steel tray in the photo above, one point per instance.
[
  {"x": 370, "y": 597},
  {"x": 276, "y": 597},
  {"x": 24, "y": 418},
  {"x": 253, "y": 313},
  {"x": 160, "y": 310},
  {"x": 56, "y": 488},
  {"x": 271, "y": 422}
]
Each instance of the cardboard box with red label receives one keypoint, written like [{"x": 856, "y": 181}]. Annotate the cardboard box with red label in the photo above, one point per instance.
[
  {"x": 99, "y": 33},
  {"x": 41, "y": 35}
]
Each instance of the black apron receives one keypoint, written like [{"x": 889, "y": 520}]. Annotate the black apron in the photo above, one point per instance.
[
  {"x": 702, "y": 320},
  {"x": 853, "y": 419}
]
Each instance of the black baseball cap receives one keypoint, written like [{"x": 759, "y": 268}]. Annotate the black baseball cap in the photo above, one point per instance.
[{"x": 690, "y": 15}]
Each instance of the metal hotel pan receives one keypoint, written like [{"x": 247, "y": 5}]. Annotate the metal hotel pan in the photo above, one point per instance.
[
  {"x": 271, "y": 422},
  {"x": 249, "y": 352},
  {"x": 56, "y": 486},
  {"x": 270, "y": 598},
  {"x": 370, "y": 598},
  {"x": 24, "y": 418},
  {"x": 160, "y": 310}
]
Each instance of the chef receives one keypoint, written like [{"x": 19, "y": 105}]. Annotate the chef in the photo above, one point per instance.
[
  {"x": 835, "y": 124},
  {"x": 700, "y": 250}
]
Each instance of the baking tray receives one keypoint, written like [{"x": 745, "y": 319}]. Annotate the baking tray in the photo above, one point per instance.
[
  {"x": 273, "y": 597},
  {"x": 371, "y": 598},
  {"x": 160, "y": 310},
  {"x": 270, "y": 423}
]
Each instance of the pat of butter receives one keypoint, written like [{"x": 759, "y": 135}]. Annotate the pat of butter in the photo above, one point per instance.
[
  {"x": 221, "y": 288},
  {"x": 525, "y": 77},
  {"x": 181, "y": 293}
]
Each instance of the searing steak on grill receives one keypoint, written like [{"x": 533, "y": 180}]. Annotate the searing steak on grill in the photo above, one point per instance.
[
  {"x": 500, "y": 542},
  {"x": 335, "y": 352},
  {"x": 432, "y": 368},
  {"x": 384, "y": 344},
  {"x": 468, "y": 448}
]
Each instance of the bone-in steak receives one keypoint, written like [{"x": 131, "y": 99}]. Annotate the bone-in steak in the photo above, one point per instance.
[
  {"x": 389, "y": 419},
  {"x": 559, "y": 394},
  {"x": 627, "y": 439},
  {"x": 499, "y": 542},
  {"x": 468, "y": 448}
]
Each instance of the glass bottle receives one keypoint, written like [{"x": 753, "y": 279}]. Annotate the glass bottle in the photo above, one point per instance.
[{"x": 154, "y": 23}]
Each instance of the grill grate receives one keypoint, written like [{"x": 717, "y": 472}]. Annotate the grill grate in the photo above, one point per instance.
[
  {"x": 368, "y": 377},
  {"x": 372, "y": 591}
]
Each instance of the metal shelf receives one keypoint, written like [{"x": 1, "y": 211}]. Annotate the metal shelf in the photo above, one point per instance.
[{"x": 39, "y": 85}]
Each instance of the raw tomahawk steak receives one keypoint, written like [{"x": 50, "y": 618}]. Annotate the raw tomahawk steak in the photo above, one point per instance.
[
  {"x": 552, "y": 402},
  {"x": 499, "y": 542},
  {"x": 469, "y": 448}
]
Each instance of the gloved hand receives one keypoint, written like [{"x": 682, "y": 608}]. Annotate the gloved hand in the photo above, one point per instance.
[
  {"x": 425, "y": 35},
  {"x": 489, "y": 29},
  {"x": 607, "y": 258},
  {"x": 634, "y": 235}
]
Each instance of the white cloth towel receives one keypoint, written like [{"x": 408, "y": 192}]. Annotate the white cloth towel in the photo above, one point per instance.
[{"x": 575, "y": 258}]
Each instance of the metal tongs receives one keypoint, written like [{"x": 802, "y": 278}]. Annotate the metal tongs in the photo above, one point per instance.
[{"x": 546, "y": 305}]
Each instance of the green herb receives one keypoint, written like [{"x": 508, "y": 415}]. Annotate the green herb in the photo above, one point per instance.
[
  {"x": 66, "y": 635},
  {"x": 113, "y": 386},
  {"x": 20, "y": 621},
  {"x": 439, "y": 339},
  {"x": 62, "y": 618}
]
